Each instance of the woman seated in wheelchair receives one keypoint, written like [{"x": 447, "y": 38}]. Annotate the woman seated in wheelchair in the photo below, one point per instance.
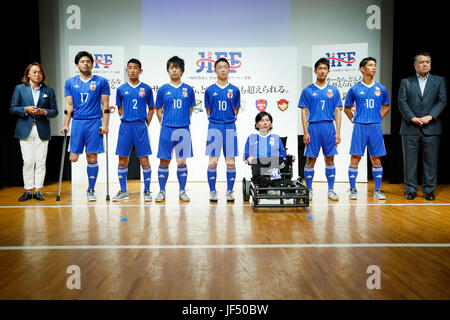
[{"x": 265, "y": 152}]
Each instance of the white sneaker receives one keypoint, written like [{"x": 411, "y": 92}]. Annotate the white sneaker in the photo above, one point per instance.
[
  {"x": 184, "y": 196},
  {"x": 213, "y": 196},
  {"x": 379, "y": 195},
  {"x": 91, "y": 195},
  {"x": 353, "y": 195},
  {"x": 161, "y": 196},
  {"x": 230, "y": 196},
  {"x": 310, "y": 194},
  {"x": 332, "y": 195},
  {"x": 121, "y": 195},
  {"x": 147, "y": 196}
]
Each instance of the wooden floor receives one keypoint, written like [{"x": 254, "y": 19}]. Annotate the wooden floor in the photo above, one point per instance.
[{"x": 198, "y": 250}]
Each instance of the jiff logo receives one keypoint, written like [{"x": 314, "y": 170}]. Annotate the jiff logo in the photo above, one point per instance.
[
  {"x": 341, "y": 59},
  {"x": 102, "y": 60},
  {"x": 207, "y": 60}
]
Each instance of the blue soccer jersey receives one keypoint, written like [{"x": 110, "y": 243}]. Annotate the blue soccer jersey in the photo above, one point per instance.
[
  {"x": 134, "y": 101},
  {"x": 222, "y": 102},
  {"x": 86, "y": 96},
  {"x": 368, "y": 101},
  {"x": 176, "y": 103},
  {"x": 260, "y": 146},
  {"x": 320, "y": 102}
]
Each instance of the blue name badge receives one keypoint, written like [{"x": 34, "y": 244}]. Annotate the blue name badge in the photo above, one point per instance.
[{"x": 274, "y": 173}]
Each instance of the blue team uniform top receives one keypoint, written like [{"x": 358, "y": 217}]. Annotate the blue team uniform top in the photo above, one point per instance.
[
  {"x": 260, "y": 146},
  {"x": 222, "y": 102},
  {"x": 86, "y": 96},
  {"x": 134, "y": 101},
  {"x": 176, "y": 103},
  {"x": 368, "y": 101},
  {"x": 320, "y": 102}
]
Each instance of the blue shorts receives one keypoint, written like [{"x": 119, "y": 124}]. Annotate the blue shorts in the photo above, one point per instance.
[
  {"x": 172, "y": 138},
  {"x": 86, "y": 133},
  {"x": 133, "y": 133},
  {"x": 323, "y": 134},
  {"x": 222, "y": 136},
  {"x": 370, "y": 135}
]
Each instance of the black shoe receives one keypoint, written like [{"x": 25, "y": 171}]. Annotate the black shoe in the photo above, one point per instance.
[
  {"x": 410, "y": 195},
  {"x": 26, "y": 196},
  {"x": 429, "y": 196},
  {"x": 38, "y": 196}
]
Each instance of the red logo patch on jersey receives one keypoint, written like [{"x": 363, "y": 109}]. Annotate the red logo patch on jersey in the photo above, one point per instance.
[
  {"x": 142, "y": 92},
  {"x": 330, "y": 93},
  {"x": 377, "y": 93},
  {"x": 230, "y": 95},
  {"x": 283, "y": 104},
  {"x": 92, "y": 85},
  {"x": 261, "y": 104}
]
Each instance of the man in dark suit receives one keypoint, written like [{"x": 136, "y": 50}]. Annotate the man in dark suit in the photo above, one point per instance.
[
  {"x": 421, "y": 100},
  {"x": 33, "y": 102}
]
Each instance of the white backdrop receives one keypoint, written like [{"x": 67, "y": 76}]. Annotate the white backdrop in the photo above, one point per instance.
[
  {"x": 261, "y": 73},
  {"x": 109, "y": 63},
  {"x": 344, "y": 73}
]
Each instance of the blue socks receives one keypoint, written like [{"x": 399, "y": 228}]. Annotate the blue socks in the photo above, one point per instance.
[
  {"x": 163, "y": 175},
  {"x": 92, "y": 172},
  {"x": 123, "y": 173},
  {"x": 212, "y": 176},
  {"x": 309, "y": 176},
  {"x": 377, "y": 173},
  {"x": 231, "y": 175},
  {"x": 147, "y": 172},
  {"x": 330, "y": 172},
  {"x": 182, "y": 173},
  {"x": 352, "y": 174}
]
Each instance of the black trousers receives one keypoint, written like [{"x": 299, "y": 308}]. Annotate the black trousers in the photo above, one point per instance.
[{"x": 428, "y": 146}]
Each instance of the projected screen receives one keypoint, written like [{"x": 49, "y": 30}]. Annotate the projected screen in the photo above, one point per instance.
[
  {"x": 203, "y": 22},
  {"x": 272, "y": 46}
]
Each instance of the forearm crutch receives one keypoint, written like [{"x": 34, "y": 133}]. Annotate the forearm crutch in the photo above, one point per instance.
[{"x": 61, "y": 168}]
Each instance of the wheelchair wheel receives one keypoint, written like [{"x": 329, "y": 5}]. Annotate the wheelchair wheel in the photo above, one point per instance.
[{"x": 245, "y": 189}]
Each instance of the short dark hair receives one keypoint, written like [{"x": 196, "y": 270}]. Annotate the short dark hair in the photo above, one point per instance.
[
  {"x": 324, "y": 61},
  {"x": 260, "y": 115},
  {"x": 426, "y": 54},
  {"x": 221, "y": 60},
  {"x": 136, "y": 61},
  {"x": 177, "y": 62},
  {"x": 83, "y": 54},
  {"x": 366, "y": 60}
]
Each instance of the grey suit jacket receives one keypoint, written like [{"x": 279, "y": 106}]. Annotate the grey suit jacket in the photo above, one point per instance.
[
  {"x": 412, "y": 104},
  {"x": 23, "y": 97}
]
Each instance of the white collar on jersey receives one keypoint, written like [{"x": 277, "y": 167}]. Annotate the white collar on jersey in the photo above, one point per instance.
[
  {"x": 176, "y": 86},
  {"x": 135, "y": 85},
  {"x": 264, "y": 136},
  {"x": 223, "y": 86},
  {"x": 373, "y": 82},
  {"x": 321, "y": 88},
  {"x": 87, "y": 79}
]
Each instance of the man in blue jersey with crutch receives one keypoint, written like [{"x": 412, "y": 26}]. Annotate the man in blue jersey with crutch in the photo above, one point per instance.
[
  {"x": 87, "y": 100},
  {"x": 135, "y": 104}
]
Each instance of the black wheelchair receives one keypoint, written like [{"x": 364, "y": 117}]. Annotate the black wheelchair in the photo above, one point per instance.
[{"x": 289, "y": 192}]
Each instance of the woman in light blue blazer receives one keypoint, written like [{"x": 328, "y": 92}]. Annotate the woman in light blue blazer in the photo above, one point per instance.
[{"x": 33, "y": 102}]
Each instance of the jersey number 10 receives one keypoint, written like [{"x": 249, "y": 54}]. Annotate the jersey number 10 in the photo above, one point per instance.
[
  {"x": 177, "y": 103},
  {"x": 222, "y": 105},
  {"x": 370, "y": 103}
]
